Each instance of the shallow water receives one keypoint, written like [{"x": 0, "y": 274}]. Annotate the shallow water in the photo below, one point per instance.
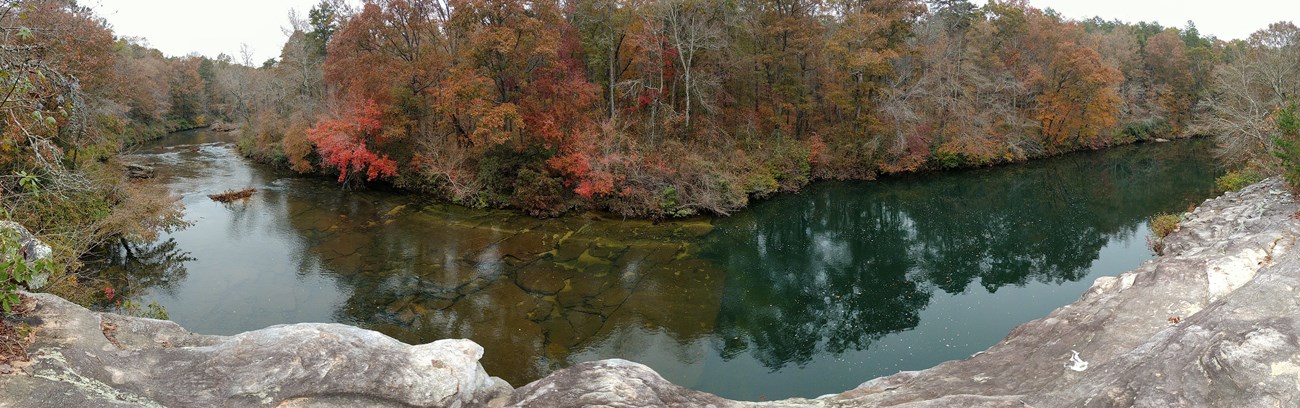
[{"x": 801, "y": 295}]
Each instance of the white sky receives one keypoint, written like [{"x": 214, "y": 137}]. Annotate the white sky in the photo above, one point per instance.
[
  {"x": 1226, "y": 19},
  {"x": 180, "y": 27}
]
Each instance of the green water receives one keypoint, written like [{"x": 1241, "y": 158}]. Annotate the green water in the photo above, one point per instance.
[{"x": 801, "y": 295}]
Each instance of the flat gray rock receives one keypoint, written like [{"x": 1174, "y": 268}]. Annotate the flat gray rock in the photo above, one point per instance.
[
  {"x": 612, "y": 383},
  {"x": 83, "y": 358}
]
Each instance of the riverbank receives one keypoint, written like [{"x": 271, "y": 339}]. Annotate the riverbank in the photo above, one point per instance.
[
  {"x": 675, "y": 180},
  {"x": 1206, "y": 324}
]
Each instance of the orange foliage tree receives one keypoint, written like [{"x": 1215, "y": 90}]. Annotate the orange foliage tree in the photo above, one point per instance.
[
  {"x": 863, "y": 52},
  {"x": 1170, "y": 69},
  {"x": 345, "y": 143},
  {"x": 1077, "y": 102}
]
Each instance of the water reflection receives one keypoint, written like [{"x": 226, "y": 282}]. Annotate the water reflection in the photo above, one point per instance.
[
  {"x": 841, "y": 266},
  {"x": 802, "y": 295},
  {"x": 158, "y": 266},
  {"x": 824, "y": 278},
  {"x": 531, "y": 292}
]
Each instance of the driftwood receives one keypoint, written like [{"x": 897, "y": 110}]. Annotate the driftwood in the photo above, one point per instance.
[{"x": 233, "y": 195}]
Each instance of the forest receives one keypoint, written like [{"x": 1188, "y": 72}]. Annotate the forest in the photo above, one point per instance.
[
  {"x": 649, "y": 109},
  {"x": 677, "y": 107}
]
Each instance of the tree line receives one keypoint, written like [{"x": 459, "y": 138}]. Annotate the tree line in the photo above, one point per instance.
[
  {"x": 655, "y": 108},
  {"x": 673, "y": 107}
]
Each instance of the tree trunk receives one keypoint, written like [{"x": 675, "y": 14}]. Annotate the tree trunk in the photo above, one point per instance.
[{"x": 613, "y": 60}]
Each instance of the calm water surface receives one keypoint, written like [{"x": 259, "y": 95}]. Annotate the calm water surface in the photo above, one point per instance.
[{"x": 801, "y": 295}]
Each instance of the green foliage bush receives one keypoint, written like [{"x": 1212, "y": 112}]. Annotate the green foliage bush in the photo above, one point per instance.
[
  {"x": 15, "y": 270},
  {"x": 1164, "y": 224},
  {"x": 1236, "y": 180},
  {"x": 1161, "y": 225},
  {"x": 521, "y": 178},
  {"x": 947, "y": 160},
  {"x": 1144, "y": 130},
  {"x": 1286, "y": 145},
  {"x": 668, "y": 200},
  {"x": 762, "y": 184},
  {"x": 538, "y": 193}
]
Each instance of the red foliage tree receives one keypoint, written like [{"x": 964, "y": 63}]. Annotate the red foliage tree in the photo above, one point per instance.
[
  {"x": 342, "y": 143},
  {"x": 557, "y": 109}
]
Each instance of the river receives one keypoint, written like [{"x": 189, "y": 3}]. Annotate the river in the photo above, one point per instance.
[{"x": 800, "y": 295}]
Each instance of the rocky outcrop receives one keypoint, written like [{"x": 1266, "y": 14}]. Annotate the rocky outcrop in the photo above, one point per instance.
[
  {"x": 1211, "y": 323},
  {"x": 610, "y": 382},
  {"x": 87, "y": 359}
]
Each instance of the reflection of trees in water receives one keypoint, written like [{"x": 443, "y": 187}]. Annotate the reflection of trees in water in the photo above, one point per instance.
[
  {"x": 806, "y": 280},
  {"x": 133, "y": 268},
  {"x": 837, "y": 268},
  {"x": 1023, "y": 226}
]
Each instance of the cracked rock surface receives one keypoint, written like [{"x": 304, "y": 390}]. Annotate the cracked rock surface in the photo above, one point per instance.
[{"x": 1210, "y": 323}]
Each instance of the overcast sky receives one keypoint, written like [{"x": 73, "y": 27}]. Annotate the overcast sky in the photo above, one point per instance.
[
  {"x": 1226, "y": 19},
  {"x": 179, "y": 27}
]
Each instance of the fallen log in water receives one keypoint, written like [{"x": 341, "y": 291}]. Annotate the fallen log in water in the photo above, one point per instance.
[{"x": 233, "y": 195}]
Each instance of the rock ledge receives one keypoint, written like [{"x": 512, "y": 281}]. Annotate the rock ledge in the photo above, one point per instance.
[{"x": 88, "y": 359}]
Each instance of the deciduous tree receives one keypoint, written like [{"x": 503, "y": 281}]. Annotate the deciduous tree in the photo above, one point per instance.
[{"x": 346, "y": 143}]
